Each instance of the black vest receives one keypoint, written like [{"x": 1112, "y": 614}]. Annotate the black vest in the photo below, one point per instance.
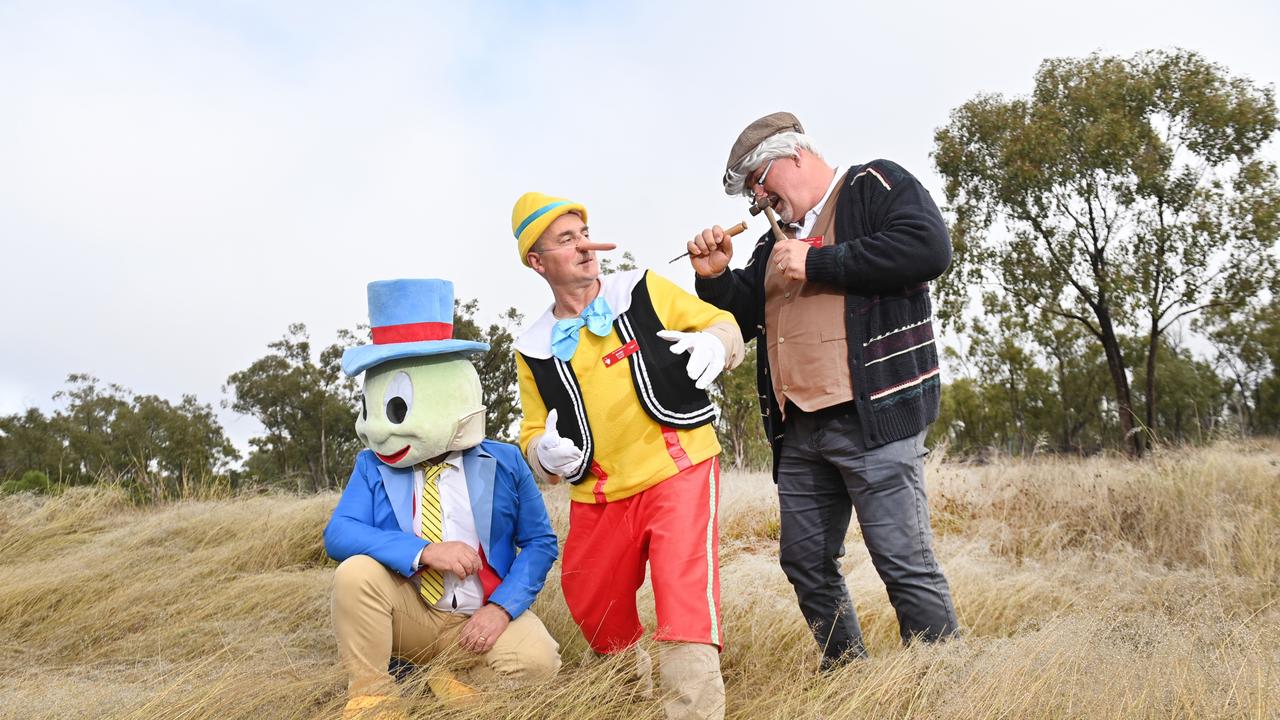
[{"x": 661, "y": 382}]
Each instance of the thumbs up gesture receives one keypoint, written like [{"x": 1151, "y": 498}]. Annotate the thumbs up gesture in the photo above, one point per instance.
[{"x": 558, "y": 455}]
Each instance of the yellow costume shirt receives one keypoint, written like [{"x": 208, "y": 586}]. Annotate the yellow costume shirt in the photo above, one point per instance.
[{"x": 631, "y": 448}]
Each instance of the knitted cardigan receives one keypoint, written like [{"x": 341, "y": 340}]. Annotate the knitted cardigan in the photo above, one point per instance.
[{"x": 890, "y": 242}]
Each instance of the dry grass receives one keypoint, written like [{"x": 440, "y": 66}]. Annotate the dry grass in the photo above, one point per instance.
[{"x": 1087, "y": 588}]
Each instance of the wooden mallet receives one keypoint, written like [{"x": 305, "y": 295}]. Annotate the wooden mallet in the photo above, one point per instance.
[{"x": 765, "y": 205}]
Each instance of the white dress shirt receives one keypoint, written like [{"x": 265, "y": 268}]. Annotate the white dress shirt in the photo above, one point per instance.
[
  {"x": 811, "y": 217},
  {"x": 461, "y": 595}
]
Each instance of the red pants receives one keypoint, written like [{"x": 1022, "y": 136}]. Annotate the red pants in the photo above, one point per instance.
[{"x": 674, "y": 526}]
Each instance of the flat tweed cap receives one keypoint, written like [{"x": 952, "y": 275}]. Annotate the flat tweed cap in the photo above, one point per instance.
[{"x": 757, "y": 131}]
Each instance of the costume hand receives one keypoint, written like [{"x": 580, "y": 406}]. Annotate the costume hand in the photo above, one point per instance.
[
  {"x": 706, "y": 354},
  {"x": 483, "y": 629},
  {"x": 558, "y": 455},
  {"x": 710, "y": 252},
  {"x": 454, "y": 557},
  {"x": 789, "y": 257}
]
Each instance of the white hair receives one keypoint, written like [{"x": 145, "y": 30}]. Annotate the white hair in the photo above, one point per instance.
[{"x": 783, "y": 144}]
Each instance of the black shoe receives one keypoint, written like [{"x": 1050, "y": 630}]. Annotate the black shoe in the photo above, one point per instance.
[{"x": 400, "y": 669}]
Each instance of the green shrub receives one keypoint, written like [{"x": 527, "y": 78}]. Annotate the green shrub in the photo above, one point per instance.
[{"x": 31, "y": 481}]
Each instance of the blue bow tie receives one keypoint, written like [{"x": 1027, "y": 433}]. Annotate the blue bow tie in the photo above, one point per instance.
[{"x": 564, "y": 337}]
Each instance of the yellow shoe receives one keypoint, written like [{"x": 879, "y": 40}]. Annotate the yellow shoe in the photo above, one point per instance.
[
  {"x": 374, "y": 707},
  {"x": 450, "y": 690}
]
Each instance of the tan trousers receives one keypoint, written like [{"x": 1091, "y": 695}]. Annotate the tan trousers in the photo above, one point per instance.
[{"x": 378, "y": 613}]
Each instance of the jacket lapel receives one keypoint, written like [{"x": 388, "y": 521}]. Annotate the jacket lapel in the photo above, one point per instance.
[
  {"x": 480, "y": 467},
  {"x": 398, "y": 482}
]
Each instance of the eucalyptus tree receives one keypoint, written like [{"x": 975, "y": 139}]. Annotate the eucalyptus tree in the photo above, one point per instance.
[{"x": 1123, "y": 194}]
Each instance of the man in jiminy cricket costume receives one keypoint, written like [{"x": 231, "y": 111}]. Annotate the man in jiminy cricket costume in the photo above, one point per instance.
[
  {"x": 612, "y": 405},
  {"x": 442, "y": 535},
  {"x": 846, "y": 366}
]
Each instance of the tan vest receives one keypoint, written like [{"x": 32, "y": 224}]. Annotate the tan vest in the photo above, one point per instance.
[{"x": 805, "y": 329}]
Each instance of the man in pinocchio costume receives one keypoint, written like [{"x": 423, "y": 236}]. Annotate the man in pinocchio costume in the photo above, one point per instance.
[
  {"x": 442, "y": 535},
  {"x": 613, "y": 405}
]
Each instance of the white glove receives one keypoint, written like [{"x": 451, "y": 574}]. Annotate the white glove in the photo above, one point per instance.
[
  {"x": 706, "y": 354},
  {"x": 558, "y": 455}
]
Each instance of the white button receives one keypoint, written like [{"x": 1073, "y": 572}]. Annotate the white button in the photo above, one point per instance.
[
  {"x": 786, "y": 294},
  {"x": 781, "y": 340},
  {"x": 786, "y": 387}
]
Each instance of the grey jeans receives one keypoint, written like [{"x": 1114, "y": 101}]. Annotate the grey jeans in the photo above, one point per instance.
[{"x": 825, "y": 470}]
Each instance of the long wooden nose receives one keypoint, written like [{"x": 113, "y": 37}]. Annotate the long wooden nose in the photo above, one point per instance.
[{"x": 589, "y": 246}]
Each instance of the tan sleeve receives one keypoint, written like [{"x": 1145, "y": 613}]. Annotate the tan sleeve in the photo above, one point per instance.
[
  {"x": 729, "y": 334},
  {"x": 531, "y": 454}
]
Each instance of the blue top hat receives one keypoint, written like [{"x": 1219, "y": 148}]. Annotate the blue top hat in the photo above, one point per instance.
[{"x": 408, "y": 318}]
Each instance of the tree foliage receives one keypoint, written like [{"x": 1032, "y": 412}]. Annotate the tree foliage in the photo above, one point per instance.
[
  {"x": 1246, "y": 343},
  {"x": 307, "y": 406},
  {"x": 741, "y": 433},
  {"x": 307, "y": 409},
  {"x": 145, "y": 443},
  {"x": 1122, "y": 194},
  {"x": 497, "y": 368},
  {"x": 628, "y": 262}
]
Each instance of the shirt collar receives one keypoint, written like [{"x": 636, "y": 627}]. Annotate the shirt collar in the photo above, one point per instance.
[
  {"x": 811, "y": 217},
  {"x": 616, "y": 289}
]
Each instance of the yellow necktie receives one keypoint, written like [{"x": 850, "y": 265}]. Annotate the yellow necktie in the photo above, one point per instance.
[{"x": 432, "y": 530}]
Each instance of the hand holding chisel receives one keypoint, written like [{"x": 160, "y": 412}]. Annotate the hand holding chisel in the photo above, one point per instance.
[{"x": 727, "y": 233}]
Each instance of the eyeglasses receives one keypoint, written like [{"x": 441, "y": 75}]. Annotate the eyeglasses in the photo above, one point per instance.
[
  {"x": 760, "y": 180},
  {"x": 566, "y": 240}
]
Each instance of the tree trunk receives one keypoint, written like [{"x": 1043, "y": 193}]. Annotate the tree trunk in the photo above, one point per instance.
[
  {"x": 1241, "y": 401},
  {"x": 1153, "y": 346},
  {"x": 1115, "y": 364},
  {"x": 323, "y": 481},
  {"x": 1062, "y": 398}
]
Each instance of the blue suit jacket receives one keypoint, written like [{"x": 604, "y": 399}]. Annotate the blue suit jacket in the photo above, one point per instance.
[{"x": 374, "y": 517}]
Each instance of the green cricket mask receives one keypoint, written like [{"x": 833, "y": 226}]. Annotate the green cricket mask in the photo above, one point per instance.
[{"x": 419, "y": 408}]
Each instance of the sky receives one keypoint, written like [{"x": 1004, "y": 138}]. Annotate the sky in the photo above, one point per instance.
[{"x": 180, "y": 181}]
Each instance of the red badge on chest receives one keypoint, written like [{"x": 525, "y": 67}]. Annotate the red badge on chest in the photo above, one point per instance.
[
  {"x": 617, "y": 355},
  {"x": 814, "y": 241}
]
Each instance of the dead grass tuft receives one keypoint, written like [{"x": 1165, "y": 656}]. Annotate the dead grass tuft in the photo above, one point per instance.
[{"x": 1096, "y": 588}]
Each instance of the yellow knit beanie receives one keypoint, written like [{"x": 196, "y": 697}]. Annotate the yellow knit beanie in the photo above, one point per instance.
[{"x": 532, "y": 214}]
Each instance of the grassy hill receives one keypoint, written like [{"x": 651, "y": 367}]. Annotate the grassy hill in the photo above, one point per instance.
[{"x": 1087, "y": 588}]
